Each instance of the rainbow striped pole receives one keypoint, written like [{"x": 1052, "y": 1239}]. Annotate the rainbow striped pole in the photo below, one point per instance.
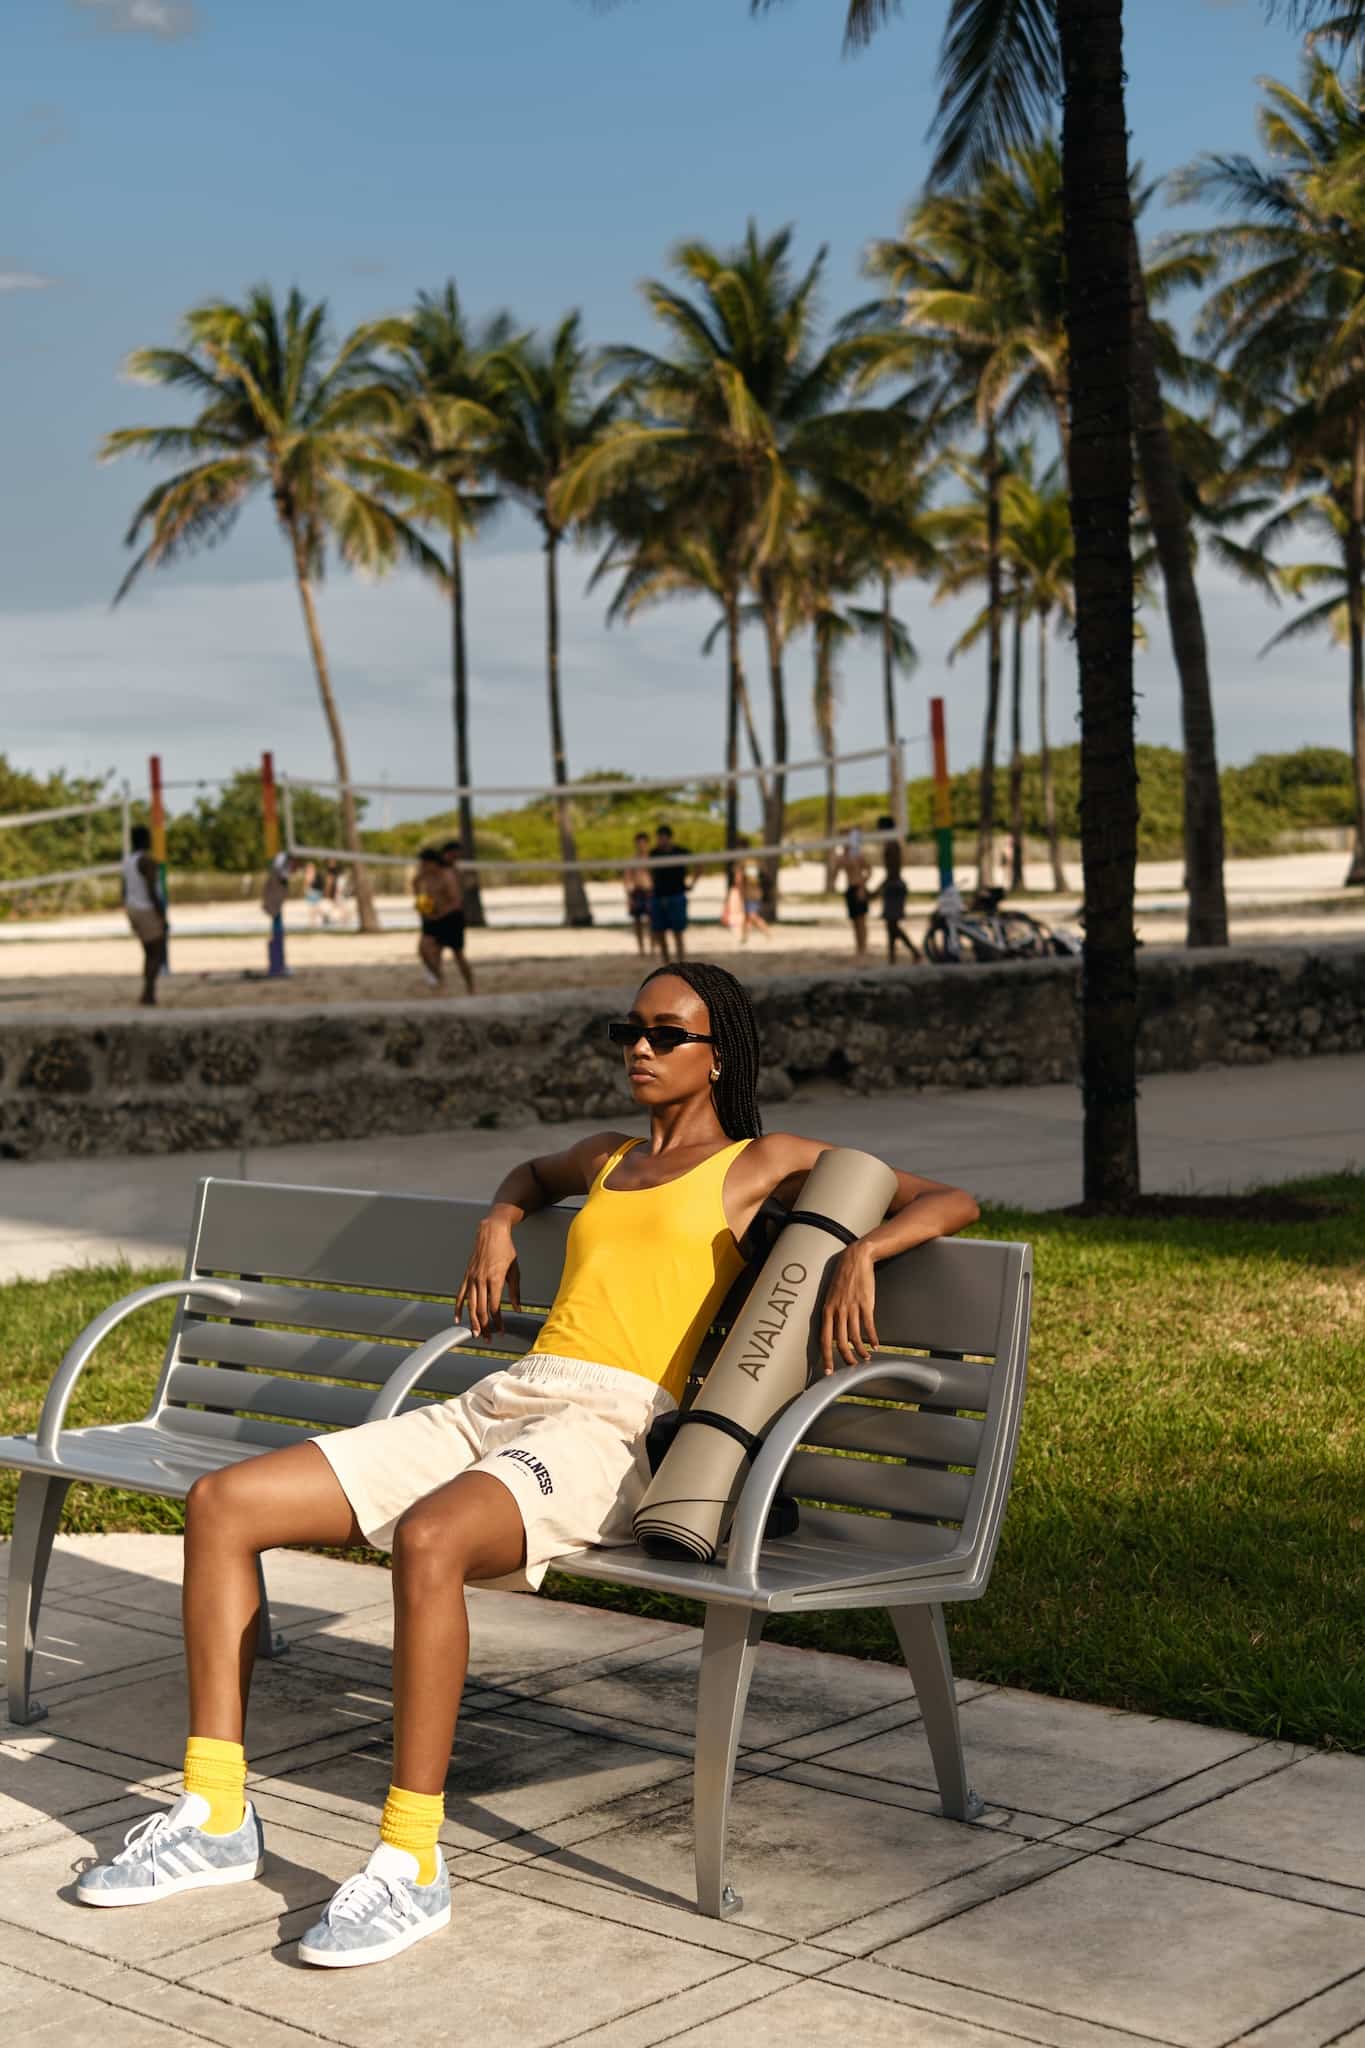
[{"x": 158, "y": 826}]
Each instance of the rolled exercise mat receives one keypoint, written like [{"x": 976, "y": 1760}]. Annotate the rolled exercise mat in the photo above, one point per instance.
[{"x": 764, "y": 1363}]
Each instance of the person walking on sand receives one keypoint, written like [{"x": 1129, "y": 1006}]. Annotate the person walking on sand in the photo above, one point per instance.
[
  {"x": 543, "y": 1457},
  {"x": 668, "y": 910},
  {"x": 744, "y": 896},
  {"x": 856, "y": 870},
  {"x": 146, "y": 907},
  {"x": 893, "y": 892},
  {"x": 440, "y": 905},
  {"x": 638, "y": 882}
]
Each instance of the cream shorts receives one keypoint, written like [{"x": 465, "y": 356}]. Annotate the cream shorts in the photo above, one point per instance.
[{"x": 566, "y": 1438}]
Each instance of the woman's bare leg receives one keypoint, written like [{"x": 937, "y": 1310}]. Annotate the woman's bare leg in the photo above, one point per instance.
[
  {"x": 287, "y": 1496},
  {"x": 470, "y": 1528}
]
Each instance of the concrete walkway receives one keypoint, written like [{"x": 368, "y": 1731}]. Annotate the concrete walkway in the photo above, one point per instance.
[
  {"x": 1235, "y": 1127},
  {"x": 1131, "y": 1881}
]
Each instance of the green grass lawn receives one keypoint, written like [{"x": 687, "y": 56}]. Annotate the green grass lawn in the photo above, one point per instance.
[{"x": 1187, "y": 1526}]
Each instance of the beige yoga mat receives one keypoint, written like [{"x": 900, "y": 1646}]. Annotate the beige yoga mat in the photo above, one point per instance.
[{"x": 764, "y": 1363}]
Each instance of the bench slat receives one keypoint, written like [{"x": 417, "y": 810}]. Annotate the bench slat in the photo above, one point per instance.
[
  {"x": 352, "y": 1315},
  {"x": 348, "y": 1237},
  {"x": 893, "y": 1489},
  {"x": 961, "y": 1385},
  {"x": 948, "y": 1295},
  {"x": 219, "y": 1386},
  {"x": 332, "y": 1358},
  {"x": 199, "y": 1423},
  {"x": 903, "y": 1433}
]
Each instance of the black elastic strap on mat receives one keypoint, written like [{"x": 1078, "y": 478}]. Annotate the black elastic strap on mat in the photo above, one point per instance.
[
  {"x": 750, "y": 1443},
  {"x": 828, "y": 1223}
]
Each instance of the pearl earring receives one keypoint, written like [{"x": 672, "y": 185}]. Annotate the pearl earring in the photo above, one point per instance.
[{"x": 715, "y": 1073}]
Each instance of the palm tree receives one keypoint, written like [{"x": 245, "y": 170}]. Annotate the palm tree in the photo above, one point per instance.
[
  {"x": 679, "y": 549},
  {"x": 1288, "y": 321},
  {"x": 548, "y": 420},
  {"x": 742, "y": 415},
  {"x": 281, "y": 412},
  {"x": 448, "y": 422},
  {"x": 1037, "y": 525}
]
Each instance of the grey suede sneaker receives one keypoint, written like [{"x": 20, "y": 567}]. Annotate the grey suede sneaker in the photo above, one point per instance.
[
  {"x": 379, "y": 1912},
  {"x": 169, "y": 1852}
]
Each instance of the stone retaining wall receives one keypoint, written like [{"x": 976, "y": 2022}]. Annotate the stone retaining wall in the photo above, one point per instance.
[{"x": 175, "y": 1081}]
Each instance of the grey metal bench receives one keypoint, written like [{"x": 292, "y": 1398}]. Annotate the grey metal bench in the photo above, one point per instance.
[{"x": 303, "y": 1308}]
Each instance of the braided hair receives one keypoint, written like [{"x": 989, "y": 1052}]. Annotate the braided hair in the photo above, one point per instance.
[{"x": 734, "y": 1028}]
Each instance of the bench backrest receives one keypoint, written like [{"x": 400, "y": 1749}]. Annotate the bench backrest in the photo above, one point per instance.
[{"x": 339, "y": 1285}]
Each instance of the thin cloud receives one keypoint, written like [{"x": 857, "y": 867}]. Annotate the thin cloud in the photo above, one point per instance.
[
  {"x": 24, "y": 281},
  {"x": 168, "y": 20}
]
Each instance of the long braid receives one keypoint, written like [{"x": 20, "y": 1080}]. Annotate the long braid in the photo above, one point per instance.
[{"x": 735, "y": 1030}]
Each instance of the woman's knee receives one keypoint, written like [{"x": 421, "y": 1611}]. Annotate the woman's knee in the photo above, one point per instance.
[
  {"x": 425, "y": 1540},
  {"x": 217, "y": 1501}
]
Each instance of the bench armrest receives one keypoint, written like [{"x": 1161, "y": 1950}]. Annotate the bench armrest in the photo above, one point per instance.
[
  {"x": 789, "y": 1430},
  {"x": 406, "y": 1376},
  {"x": 220, "y": 1293}
]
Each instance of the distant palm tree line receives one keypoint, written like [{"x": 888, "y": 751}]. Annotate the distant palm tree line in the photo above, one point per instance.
[{"x": 786, "y": 475}]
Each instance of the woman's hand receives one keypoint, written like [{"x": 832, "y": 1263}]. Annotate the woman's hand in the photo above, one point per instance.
[
  {"x": 492, "y": 1270},
  {"x": 847, "y": 1325}
]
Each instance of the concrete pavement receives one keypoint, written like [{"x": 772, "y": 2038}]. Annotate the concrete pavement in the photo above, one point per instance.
[
  {"x": 1231, "y": 1128},
  {"x": 1131, "y": 1882}
]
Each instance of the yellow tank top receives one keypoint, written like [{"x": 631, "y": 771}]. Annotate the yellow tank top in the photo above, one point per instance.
[{"x": 645, "y": 1270}]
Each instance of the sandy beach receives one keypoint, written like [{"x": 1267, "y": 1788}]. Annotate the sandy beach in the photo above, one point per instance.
[{"x": 218, "y": 950}]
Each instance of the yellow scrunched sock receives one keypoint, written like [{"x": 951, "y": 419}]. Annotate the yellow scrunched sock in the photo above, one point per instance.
[
  {"x": 412, "y": 1821},
  {"x": 217, "y": 1770}
]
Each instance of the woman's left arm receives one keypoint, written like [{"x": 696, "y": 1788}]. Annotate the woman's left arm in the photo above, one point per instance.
[{"x": 920, "y": 1209}]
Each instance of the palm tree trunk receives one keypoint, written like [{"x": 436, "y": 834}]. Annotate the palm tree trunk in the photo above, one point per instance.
[
  {"x": 755, "y": 744},
  {"x": 985, "y": 831},
  {"x": 1017, "y": 748},
  {"x": 350, "y": 824},
  {"x": 473, "y": 896},
  {"x": 576, "y": 907},
  {"x": 734, "y": 684},
  {"x": 1045, "y": 761},
  {"x": 895, "y": 795},
  {"x": 824, "y": 725},
  {"x": 1355, "y": 612},
  {"x": 1099, "y": 334},
  {"x": 776, "y": 807},
  {"x": 1207, "y": 910}
]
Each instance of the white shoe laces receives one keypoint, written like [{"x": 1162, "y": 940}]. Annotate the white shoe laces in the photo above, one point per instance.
[
  {"x": 363, "y": 1893},
  {"x": 140, "y": 1840}
]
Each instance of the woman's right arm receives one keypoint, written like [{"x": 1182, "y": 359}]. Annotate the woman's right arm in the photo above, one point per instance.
[{"x": 535, "y": 1184}]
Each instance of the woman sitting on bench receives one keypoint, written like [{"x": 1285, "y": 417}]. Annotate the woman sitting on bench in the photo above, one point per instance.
[{"x": 542, "y": 1458}]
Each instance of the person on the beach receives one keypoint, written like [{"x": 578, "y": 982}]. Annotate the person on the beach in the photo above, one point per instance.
[
  {"x": 856, "y": 869},
  {"x": 145, "y": 905},
  {"x": 439, "y": 895},
  {"x": 668, "y": 909},
  {"x": 744, "y": 897},
  {"x": 893, "y": 893},
  {"x": 536, "y": 1461},
  {"x": 313, "y": 894},
  {"x": 638, "y": 882}
]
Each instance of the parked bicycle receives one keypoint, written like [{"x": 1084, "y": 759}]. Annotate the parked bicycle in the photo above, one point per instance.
[{"x": 984, "y": 930}]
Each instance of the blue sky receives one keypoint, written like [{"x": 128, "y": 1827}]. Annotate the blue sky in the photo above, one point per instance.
[{"x": 547, "y": 155}]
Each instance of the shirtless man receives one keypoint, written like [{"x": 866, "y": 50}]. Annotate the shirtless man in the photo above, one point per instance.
[{"x": 440, "y": 905}]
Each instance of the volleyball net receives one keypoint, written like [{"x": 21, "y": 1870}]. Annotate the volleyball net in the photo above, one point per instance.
[
  {"x": 746, "y": 846},
  {"x": 63, "y": 814}
]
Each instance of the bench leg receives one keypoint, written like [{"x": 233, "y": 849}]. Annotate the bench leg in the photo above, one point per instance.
[
  {"x": 268, "y": 1644},
  {"x": 924, "y": 1646},
  {"x": 729, "y": 1641},
  {"x": 37, "y": 1516}
]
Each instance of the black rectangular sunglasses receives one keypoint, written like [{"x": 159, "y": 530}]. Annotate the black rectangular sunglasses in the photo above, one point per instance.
[{"x": 659, "y": 1037}]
